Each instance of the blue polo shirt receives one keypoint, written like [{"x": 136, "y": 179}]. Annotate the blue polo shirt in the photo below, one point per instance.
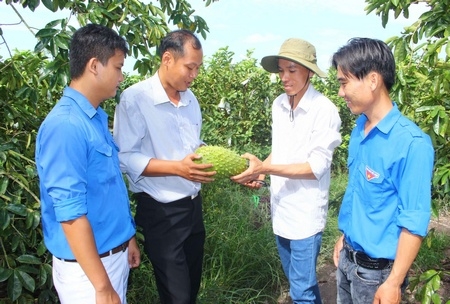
[
  {"x": 389, "y": 185},
  {"x": 79, "y": 174}
]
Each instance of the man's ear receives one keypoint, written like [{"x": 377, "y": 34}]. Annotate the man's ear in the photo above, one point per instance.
[
  {"x": 166, "y": 58},
  {"x": 92, "y": 66},
  {"x": 375, "y": 80}
]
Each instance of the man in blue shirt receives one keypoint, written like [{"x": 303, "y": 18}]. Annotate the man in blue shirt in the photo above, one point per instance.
[
  {"x": 86, "y": 218},
  {"x": 386, "y": 207}
]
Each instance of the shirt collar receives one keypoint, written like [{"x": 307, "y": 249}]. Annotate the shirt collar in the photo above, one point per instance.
[
  {"x": 387, "y": 123},
  {"x": 81, "y": 101},
  {"x": 160, "y": 95},
  {"x": 305, "y": 102}
]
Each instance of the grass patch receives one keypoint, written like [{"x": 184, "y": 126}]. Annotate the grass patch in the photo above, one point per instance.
[
  {"x": 241, "y": 263},
  {"x": 433, "y": 251}
]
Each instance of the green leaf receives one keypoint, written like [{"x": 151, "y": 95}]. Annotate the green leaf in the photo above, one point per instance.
[
  {"x": 436, "y": 299},
  {"x": 17, "y": 209},
  {"x": 14, "y": 287},
  {"x": 5, "y": 219},
  {"x": 435, "y": 282},
  {"x": 62, "y": 43},
  {"x": 3, "y": 185},
  {"x": 5, "y": 274},
  {"x": 49, "y": 4},
  {"x": 42, "y": 276},
  {"x": 426, "y": 15},
  {"x": 36, "y": 219},
  {"x": 29, "y": 220},
  {"x": 26, "y": 280},
  {"x": 29, "y": 259},
  {"x": 427, "y": 275},
  {"x": 48, "y": 268},
  {"x": 406, "y": 13},
  {"x": 41, "y": 249},
  {"x": 32, "y": 4},
  {"x": 54, "y": 23},
  {"x": 16, "y": 239},
  {"x": 400, "y": 51},
  {"x": 30, "y": 269},
  {"x": 46, "y": 33}
]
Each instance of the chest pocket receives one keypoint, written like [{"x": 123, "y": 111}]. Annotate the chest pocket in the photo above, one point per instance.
[
  {"x": 373, "y": 186},
  {"x": 102, "y": 168}
]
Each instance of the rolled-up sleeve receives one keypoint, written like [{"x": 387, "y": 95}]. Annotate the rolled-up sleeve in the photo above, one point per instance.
[
  {"x": 414, "y": 188},
  {"x": 325, "y": 138},
  {"x": 63, "y": 164}
]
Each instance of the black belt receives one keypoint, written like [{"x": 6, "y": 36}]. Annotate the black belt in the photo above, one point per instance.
[
  {"x": 120, "y": 248},
  {"x": 363, "y": 260}
]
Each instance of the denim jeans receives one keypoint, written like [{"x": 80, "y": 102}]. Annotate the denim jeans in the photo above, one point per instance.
[
  {"x": 299, "y": 259},
  {"x": 358, "y": 285}
]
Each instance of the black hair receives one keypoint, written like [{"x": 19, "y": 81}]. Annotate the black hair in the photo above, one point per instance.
[
  {"x": 175, "y": 41},
  {"x": 93, "y": 41},
  {"x": 360, "y": 56}
]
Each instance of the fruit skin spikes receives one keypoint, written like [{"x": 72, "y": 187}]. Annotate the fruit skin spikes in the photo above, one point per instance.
[{"x": 225, "y": 162}]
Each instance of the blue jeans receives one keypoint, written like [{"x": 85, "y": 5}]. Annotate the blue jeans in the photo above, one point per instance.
[
  {"x": 356, "y": 284},
  {"x": 299, "y": 259}
]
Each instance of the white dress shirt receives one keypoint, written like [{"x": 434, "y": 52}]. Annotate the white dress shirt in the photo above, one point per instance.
[
  {"x": 299, "y": 206},
  {"x": 148, "y": 125}
]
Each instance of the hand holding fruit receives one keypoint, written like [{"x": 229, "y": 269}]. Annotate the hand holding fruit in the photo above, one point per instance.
[
  {"x": 196, "y": 172},
  {"x": 252, "y": 173}
]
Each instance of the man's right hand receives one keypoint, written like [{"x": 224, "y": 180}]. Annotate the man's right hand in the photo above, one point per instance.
[
  {"x": 251, "y": 173},
  {"x": 195, "y": 172},
  {"x": 337, "y": 249},
  {"x": 107, "y": 296}
]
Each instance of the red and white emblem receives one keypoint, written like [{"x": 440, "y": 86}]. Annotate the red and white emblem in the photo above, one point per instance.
[{"x": 371, "y": 174}]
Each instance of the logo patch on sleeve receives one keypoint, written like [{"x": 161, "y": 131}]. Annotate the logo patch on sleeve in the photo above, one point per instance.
[{"x": 371, "y": 174}]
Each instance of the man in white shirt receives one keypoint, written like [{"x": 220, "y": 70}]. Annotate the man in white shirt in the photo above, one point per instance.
[
  {"x": 157, "y": 128},
  {"x": 305, "y": 132}
]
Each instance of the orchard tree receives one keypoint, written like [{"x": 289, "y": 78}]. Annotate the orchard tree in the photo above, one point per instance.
[{"x": 143, "y": 24}]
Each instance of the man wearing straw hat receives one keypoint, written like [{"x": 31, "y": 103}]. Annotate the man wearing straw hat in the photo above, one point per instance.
[{"x": 305, "y": 132}]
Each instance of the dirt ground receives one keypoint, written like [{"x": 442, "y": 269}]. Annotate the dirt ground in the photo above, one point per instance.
[{"x": 327, "y": 276}]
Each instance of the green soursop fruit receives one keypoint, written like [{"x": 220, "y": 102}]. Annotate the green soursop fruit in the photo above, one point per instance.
[{"x": 226, "y": 162}]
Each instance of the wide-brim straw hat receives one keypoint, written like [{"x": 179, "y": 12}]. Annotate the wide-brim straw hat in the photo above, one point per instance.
[{"x": 296, "y": 50}]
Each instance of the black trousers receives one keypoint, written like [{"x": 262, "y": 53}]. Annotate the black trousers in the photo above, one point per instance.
[{"x": 174, "y": 239}]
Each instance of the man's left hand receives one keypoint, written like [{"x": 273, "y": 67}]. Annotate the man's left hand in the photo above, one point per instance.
[{"x": 388, "y": 294}]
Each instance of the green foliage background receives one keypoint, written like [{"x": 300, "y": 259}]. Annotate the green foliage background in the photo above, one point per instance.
[{"x": 235, "y": 99}]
